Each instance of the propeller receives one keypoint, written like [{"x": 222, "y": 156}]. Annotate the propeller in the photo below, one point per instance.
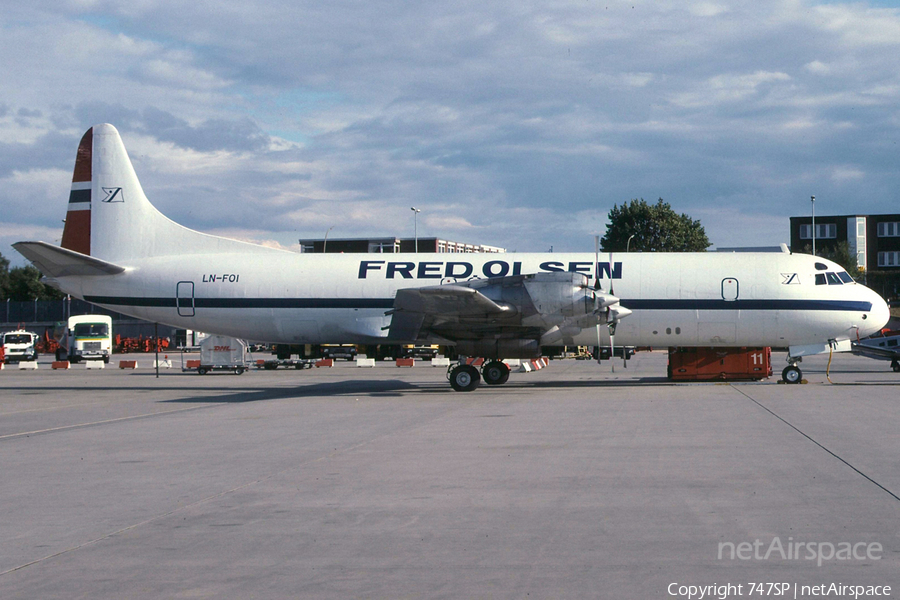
[
  {"x": 612, "y": 322},
  {"x": 608, "y": 303},
  {"x": 597, "y": 287}
]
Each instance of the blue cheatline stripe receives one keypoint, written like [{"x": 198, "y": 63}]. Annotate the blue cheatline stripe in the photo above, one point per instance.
[
  {"x": 838, "y": 305},
  {"x": 78, "y": 196},
  {"x": 386, "y": 303}
]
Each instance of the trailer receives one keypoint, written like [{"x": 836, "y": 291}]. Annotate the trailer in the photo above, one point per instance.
[
  {"x": 286, "y": 363},
  {"x": 221, "y": 353}
]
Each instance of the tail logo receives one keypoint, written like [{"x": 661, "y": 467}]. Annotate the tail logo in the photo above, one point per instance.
[{"x": 113, "y": 194}]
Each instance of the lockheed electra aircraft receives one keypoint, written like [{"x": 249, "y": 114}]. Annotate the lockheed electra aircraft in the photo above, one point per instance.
[{"x": 121, "y": 253}]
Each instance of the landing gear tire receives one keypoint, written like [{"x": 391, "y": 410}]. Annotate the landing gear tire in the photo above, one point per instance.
[
  {"x": 895, "y": 366},
  {"x": 792, "y": 374},
  {"x": 495, "y": 372},
  {"x": 464, "y": 378}
]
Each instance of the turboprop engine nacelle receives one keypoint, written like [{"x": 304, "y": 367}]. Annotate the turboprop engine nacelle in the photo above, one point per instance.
[{"x": 565, "y": 295}]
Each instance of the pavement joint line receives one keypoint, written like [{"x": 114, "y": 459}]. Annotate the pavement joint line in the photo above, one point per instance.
[
  {"x": 212, "y": 497},
  {"x": 79, "y": 425},
  {"x": 798, "y": 430}
]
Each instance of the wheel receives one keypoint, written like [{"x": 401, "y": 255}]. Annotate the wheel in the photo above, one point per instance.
[
  {"x": 238, "y": 371},
  {"x": 201, "y": 370},
  {"x": 895, "y": 366},
  {"x": 106, "y": 360},
  {"x": 464, "y": 378},
  {"x": 792, "y": 374},
  {"x": 495, "y": 372}
]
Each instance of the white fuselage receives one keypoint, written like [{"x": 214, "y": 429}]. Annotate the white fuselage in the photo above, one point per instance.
[{"x": 697, "y": 299}]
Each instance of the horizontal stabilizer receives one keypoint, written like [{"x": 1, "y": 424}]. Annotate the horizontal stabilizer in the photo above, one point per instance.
[{"x": 54, "y": 261}]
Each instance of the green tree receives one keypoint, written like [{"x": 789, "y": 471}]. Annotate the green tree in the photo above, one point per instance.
[
  {"x": 25, "y": 284},
  {"x": 4, "y": 277},
  {"x": 655, "y": 228}
]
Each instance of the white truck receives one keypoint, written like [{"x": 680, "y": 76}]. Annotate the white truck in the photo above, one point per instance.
[
  {"x": 87, "y": 337},
  {"x": 19, "y": 346}
]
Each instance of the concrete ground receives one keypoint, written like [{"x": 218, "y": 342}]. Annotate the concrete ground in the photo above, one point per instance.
[{"x": 571, "y": 482}]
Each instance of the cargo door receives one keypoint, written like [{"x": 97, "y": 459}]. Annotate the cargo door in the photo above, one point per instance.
[{"x": 184, "y": 298}]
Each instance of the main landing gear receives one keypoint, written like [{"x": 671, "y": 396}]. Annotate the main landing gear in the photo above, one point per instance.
[
  {"x": 792, "y": 373},
  {"x": 465, "y": 378}
]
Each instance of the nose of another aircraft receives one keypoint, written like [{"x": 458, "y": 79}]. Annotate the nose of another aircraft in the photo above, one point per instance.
[{"x": 877, "y": 318}]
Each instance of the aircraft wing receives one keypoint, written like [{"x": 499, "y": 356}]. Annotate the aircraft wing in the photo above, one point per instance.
[
  {"x": 54, "y": 261},
  {"x": 513, "y": 306},
  {"x": 877, "y": 352},
  {"x": 416, "y": 309}
]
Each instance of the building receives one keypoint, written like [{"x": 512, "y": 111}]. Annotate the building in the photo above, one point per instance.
[
  {"x": 873, "y": 239},
  {"x": 391, "y": 245}
]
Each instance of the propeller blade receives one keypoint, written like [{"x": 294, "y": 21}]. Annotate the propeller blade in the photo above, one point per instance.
[{"x": 612, "y": 350}]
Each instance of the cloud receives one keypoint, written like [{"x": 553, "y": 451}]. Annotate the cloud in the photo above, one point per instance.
[{"x": 516, "y": 125}]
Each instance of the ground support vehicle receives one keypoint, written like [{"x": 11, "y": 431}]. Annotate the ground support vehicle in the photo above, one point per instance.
[
  {"x": 86, "y": 337},
  {"x": 19, "y": 346},
  {"x": 711, "y": 364},
  {"x": 420, "y": 352},
  {"x": 339, "y": 351}
]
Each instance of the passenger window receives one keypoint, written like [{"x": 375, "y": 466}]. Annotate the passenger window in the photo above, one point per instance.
[
  {"x": 845, "y": 277},
  {"x": 820, "y": 278},
  {"x": 892, "y": 342},
  {"x": 832, "y": 279}
]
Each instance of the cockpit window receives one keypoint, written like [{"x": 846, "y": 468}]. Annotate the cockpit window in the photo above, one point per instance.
[
  {"x": 820, "y": 279},
  {"x": 845, "y": 276},
  {"x": 821, "y": 267},
  {"x": 832, "y": 279}
]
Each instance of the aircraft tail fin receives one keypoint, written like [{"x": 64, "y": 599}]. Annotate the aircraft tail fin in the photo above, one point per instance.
[{"x": 110, "y": 218}]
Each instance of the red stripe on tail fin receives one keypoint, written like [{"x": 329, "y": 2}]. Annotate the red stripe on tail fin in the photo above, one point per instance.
[
  {"x": 77, "y": 230},
  {"x": 83, "y": 158}
]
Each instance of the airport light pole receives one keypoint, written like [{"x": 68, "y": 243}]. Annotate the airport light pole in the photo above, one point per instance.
[
  {"x": 416, "y": 212},
  {"x": 628, "y": 243},
  {"x": 813, "y": 200},
  {"x": 325, "y": 243}
]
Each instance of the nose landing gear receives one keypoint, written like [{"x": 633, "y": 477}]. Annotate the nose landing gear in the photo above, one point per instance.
[{"x": 792, "y": 373}]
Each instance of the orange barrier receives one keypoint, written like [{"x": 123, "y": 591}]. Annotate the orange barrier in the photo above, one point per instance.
[
  {"x": 192, "y": 364},
  {"x": 325, "y": 362},
  {"x": 406, "y": 362},
  {"x": 59, "y": 364},
  {"x": 127, "y": 364}
]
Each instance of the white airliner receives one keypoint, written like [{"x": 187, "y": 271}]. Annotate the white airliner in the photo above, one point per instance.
[{"x": 121, "y": 253}]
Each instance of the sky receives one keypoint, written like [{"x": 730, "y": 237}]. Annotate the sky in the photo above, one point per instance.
[{"x": 512, "y": 124}]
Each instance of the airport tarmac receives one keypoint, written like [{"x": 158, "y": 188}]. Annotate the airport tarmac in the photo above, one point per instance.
[{"x": 570, "y": 482}]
